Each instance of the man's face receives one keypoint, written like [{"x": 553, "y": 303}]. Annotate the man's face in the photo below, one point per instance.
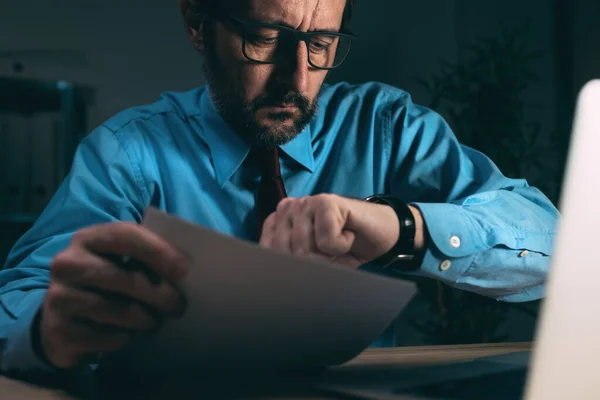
[{"x": 269, "y": 104}]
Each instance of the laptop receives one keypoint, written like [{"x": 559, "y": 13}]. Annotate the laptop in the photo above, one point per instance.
[
  {"x": 563, "y": 363},
  {"x": 567, "y": 348}
]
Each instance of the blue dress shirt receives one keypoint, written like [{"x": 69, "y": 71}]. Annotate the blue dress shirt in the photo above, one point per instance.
[{"x": 179, "y": 155}]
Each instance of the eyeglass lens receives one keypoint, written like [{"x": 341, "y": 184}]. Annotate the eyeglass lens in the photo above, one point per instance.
[{"x": 269, "y": 44}]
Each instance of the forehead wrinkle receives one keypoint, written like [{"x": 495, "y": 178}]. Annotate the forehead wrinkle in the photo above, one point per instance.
[
  {"x": 305, "y": 20},
  {"x": 318, "y": 20},
  {"x": 304, "y": 15},
  {"x": 313, "y": 19}
]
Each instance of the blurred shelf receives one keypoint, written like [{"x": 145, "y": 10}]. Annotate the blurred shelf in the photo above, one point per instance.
[
  {"x": 32, "y": 98},
  {"x": 26, "y": 96},
  {"x": 18, "y": 218}
]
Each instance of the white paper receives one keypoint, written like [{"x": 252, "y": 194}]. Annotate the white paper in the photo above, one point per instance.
[{"x": 249, "y": 307}]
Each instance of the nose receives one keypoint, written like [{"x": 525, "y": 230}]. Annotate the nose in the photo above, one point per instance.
[{"x": 294, "y": 72}]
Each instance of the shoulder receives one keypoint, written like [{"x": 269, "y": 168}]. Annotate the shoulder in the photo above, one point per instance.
[
  {"x": 366, "y": 94},
  {"x": 138, "y": 139},
  {"x": 169, "y": 107},
  {"x": 370, "y": 101},
  {"x": 158, "y": 125},
  {"x": 372, "y": 97},
  {"x": 383, "y": 110}
]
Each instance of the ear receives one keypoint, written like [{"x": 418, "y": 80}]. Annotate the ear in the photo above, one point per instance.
[
  {"x": 196, "y": 36},
  {"x": 193, "y": 26}
]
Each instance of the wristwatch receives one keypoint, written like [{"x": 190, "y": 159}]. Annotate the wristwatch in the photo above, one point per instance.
[{"x": 402, "y": 256}]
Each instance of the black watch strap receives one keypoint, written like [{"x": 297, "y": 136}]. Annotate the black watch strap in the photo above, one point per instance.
[{"x": 402, "y": 255}]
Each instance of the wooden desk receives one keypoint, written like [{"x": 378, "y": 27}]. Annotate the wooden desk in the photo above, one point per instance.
[{"x": 400, "y": 357}]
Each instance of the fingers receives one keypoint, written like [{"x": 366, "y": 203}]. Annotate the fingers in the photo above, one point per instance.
[
  {"x": 81, "y": 269},
  {"x": 134, "y": 241},
  {"x": 95, "y": 306},
  {"x": 302, "y": 237},
  {"x": 290, "y": 228},
  {"x": 66, "y": 342},
  {"x": 117, "y": 313},
  {"x": 268, "y": 231},
  {"x": 331, "y": 238},
  {"x": 308, "y": 226},
  {"x": 76, "y": 324},
  {"x": 284, "y": 225}
]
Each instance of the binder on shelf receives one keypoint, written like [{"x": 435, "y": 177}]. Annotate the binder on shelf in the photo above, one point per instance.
[
  {"x": 41, "y": 123},
  {"x": 15, "y": 163},
  {"x": 45, "y": 133}
]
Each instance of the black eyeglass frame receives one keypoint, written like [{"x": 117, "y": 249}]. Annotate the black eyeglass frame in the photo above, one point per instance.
[{"x": 298, "y": 36}]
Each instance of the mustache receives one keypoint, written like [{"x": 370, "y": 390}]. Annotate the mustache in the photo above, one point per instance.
[{"x": 289, "y": 99}]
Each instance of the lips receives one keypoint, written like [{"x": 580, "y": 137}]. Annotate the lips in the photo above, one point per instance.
[{"x": 282, "y": 108}]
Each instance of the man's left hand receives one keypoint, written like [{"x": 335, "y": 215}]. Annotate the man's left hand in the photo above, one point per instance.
[{"x": 347, "y": 231}]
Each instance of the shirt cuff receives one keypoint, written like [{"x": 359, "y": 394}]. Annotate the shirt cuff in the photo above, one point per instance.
[
  {"x": 19, "y": 354},
  {"x": 453, "y": 241}
]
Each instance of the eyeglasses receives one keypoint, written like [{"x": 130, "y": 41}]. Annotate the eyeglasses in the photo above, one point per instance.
[{"x": 268, "y": 43}]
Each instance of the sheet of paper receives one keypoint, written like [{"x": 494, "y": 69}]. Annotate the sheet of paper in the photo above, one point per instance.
[{"x": 249, "y": 307}]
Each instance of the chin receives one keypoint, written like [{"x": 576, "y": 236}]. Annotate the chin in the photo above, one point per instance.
[
  {"x": 276, "y": 134},
  {"x": 275, "y": 125}
]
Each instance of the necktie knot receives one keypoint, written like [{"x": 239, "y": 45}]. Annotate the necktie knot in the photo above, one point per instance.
[{"x": 268, "y": 160}]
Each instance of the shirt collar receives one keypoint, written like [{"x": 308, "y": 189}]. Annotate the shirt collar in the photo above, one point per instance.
[{"x": 229, "y": 149}]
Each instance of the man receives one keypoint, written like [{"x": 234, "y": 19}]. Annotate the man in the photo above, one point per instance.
[{"x": 269, "y": 153}]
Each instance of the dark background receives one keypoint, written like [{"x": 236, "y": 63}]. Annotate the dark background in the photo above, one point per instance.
[{"x": 529, "y": 61}]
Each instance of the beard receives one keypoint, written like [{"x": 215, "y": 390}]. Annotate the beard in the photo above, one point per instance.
[{"x": 242, "y": 115}]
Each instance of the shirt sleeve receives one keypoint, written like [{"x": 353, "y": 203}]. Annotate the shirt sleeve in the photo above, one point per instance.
[
  {"x": 488, "y": 234},
  {"x": 101, "y": 187}
]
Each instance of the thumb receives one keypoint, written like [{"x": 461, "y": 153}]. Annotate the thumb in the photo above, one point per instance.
[{"x": 336, "y": 246}]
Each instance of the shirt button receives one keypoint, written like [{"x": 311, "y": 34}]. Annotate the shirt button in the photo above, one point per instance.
[
  {"x": 524, "y": 254},
  {"x": 455, "y": 242},
  {"x": 445, "y": 266}
]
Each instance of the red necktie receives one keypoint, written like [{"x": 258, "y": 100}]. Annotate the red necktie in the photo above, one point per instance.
[{"x": 271, "y": 189}]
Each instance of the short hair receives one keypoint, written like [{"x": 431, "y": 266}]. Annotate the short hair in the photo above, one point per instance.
[
  {"x": 348, "y": 12},
  {"x": 194, "y": 11}
]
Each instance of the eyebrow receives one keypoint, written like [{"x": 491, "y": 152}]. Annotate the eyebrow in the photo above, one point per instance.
[{"x": 287, "y": 25}]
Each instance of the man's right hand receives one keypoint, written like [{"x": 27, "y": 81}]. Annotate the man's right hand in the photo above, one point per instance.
[{"x": 95, "y": 306}]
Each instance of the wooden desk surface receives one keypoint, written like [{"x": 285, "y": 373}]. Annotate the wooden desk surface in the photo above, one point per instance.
[
  {"x": 387, "y": 358},
  {"x": 429, "y": 355}
]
